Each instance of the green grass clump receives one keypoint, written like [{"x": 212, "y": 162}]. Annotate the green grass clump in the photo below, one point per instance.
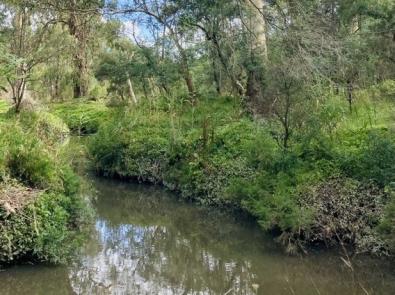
[{"x": 82, "y": 117}]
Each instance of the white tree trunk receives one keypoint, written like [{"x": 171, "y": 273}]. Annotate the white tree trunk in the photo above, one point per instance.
[
  {"x": 258, "y": 27},
  {"x": 131, "y": 90}
]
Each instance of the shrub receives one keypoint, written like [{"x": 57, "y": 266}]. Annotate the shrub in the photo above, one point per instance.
[
  {"x": 369, "y": 155},
  {"x": 123, "y": 148},
  {"x": 40, "y": 230},
  {"x": 387, "y": 89},
  {"x": 347, "y": 211},
  {"x": 47, "y": 127},
  {"x": 27, "y": 159}
]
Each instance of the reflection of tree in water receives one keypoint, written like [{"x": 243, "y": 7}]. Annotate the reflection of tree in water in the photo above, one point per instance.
[{"x": 149, "y": 244}]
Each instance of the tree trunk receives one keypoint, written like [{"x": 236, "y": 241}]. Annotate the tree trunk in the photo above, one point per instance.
[
  {"x": 184, "y": 66},
  {"x": 255, "y": 79},
  {"x": 258, "y": 28},
  {"x": 78, "y": 31},
  {"x": 18, "y": 92},
  {"x": 350, "y": 90},
  {"x": 216, "y": 76},
  {"x": 131, "y": 90},
  {"x": 81, "y": 76},
  {"x": 18, "y": 85}
]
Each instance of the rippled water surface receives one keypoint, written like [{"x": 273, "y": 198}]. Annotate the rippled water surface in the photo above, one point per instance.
[{"x": 147, "y": 242}]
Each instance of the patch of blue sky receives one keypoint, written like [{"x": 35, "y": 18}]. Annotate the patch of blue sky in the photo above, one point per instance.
[{"x": 135, "y": 24}]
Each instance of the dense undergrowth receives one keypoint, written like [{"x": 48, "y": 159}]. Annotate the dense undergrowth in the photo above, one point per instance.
[
  {"x": 332, "y": 184},
  {"x": 82, "y": 117},
  {"x": 41, "y": 209}
]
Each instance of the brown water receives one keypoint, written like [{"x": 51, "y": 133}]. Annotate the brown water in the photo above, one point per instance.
[{"x": 147, "y": 242}]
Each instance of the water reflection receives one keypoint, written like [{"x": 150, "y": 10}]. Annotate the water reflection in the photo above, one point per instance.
[{"x": 146, "y": 242}]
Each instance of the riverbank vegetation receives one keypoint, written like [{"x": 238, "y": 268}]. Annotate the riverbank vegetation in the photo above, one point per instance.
[
  {"x": 40, "y": 206},
  {"x": 281, "y": 109},
  {"x": 312, "y": 192}
]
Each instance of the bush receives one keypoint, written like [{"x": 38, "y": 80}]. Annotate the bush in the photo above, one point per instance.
[
  {"x": 49, "y": 128},
  {"x": 123, "y": 148},
  {"x": 347, "y": 211},
  {"x": 40, "y": 231},
  {"x": 27, "y": 158},
  {"x": 386, "y": 89},
  {"x": 368, "y": 156}
]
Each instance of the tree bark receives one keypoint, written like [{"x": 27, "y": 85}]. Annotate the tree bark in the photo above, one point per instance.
[
  {"x": 259, "y": 56},
  {"x": 216, "y": 76},
  {"x": 78, "y": 31},
  {"x": 258, "y": 28}
]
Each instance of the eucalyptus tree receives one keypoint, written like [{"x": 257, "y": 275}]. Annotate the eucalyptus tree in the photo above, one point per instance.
[{"x": 258, "y": 51}]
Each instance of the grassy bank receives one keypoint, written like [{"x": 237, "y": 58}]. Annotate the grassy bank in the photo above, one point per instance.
[
  {"x": 41, "y": 209},
  {"x": 333, "y": 183},
  {"x": 83, "y": 117}
]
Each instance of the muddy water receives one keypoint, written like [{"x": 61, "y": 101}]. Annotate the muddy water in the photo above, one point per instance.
[{"x": 147, "y": 242}]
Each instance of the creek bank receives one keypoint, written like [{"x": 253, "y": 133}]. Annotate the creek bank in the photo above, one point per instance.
[
  {"x": 215, "y": 155},
  {"x": 41, "y": 208}
]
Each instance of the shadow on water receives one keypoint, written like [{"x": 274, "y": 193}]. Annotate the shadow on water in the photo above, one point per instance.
[{"x": 147, "y": 242}]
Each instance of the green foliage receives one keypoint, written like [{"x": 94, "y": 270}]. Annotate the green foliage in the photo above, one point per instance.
[
  {"x": 323, "y": 111},
  {"x": 44, "y": 226},
  {"x": 83, "y": 117},
  {"x": 40, "y": 230},
  {"x": 28, "y": 150},
  {"x": 370, "y": 156},
  {"x": 49, "y": 128},
  {"x": 4, "y": 106},
  {"x": 211, "y": 153},
  {"x": 386, "y": 89}
]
